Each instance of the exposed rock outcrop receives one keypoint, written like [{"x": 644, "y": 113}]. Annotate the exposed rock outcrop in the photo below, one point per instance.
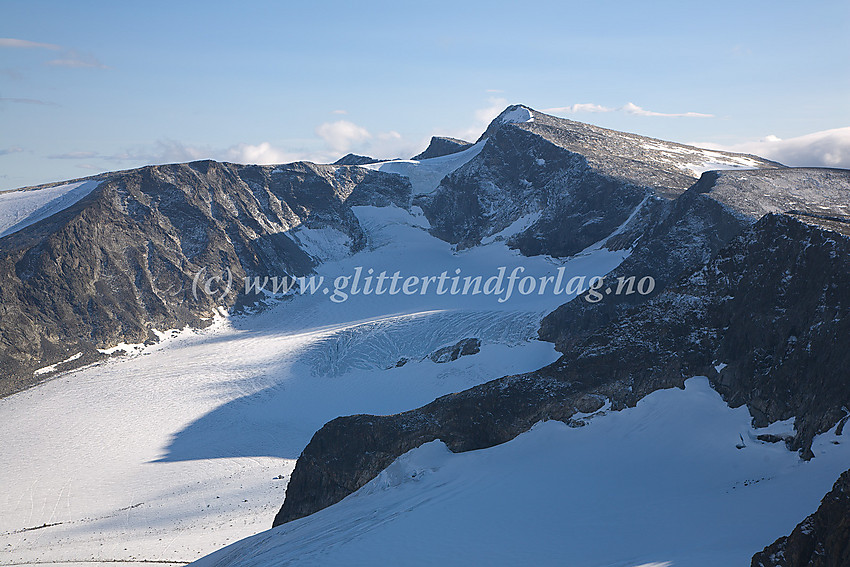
[
  {"x": 698, "y": 224},
  {"x": 355, "y": 159},
  {"x": 442, "y": 146},
  {"x": 465, "y": 347},
  {"x": 821, "y": 540}
]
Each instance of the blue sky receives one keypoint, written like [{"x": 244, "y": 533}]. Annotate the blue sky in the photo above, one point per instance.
[{"x": 96, "y": 86}]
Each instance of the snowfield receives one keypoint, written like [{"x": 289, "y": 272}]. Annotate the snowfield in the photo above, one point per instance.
[
  {"x": 20, "y": 209},
  {"x": 660, "y": 484},
  {"x": 170, "y": 452},
  {"x": 699, "y": 160},
  {"x": 517, "y": 115},
  {"x": 425, "y": 175}
]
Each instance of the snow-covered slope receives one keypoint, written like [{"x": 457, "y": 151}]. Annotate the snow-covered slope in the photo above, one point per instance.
[
  {"x": 188, "y": 437},
  {"x": 20, "y": 209},
  {"x": 179, "y": 448},
  {"x": 664, "y": 483},
  {"x": 697, "y": 160},
  {"x": 425, "y": 175}
]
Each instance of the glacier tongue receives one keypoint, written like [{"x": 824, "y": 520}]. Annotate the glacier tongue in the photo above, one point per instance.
[{"x": 218, "y": 416}]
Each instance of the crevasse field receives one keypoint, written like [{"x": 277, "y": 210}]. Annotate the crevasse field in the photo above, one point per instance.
[{"x": 170, "y": 452}]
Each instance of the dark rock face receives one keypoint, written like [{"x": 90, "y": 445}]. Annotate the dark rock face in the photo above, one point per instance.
[
  {"x": 821, "y": 540},
  {"x": 575, "y": 183},
  {"x": 665, "y": 166},
  {"x": 688, "y": 232},
  {"x": 442, "y": 146},
  {"x": 122, "y": 260},
  {"x": 465, "y": 347},
  {"x": 354, "y": 159},
  {"x": 771, "y": 306},
  {"x": 577, "y": 206}
]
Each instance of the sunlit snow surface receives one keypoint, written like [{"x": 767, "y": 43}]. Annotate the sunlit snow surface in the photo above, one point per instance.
[
  {"x": 172, "y": 452},
  {"x": 517, "y": 115},
  {"x": 697, "y": 161},
  {"x": 659, "y": 484},
  {"x": 175, "y": 450},
  {"x": 425, "y": 175},
  {"x": 20, "y": 209}
]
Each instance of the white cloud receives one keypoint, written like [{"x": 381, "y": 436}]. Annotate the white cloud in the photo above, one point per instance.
[
  {"x": 390, "y": 145},
  {"x": 481, "y": 118},
  {"x": 827, "y": 148},
  {"x": 579, "y": 107},
  {"x": 342, "y": 135},
  {"x": 27, "y": 101},
  {"x": 632, "y": 108},
  {"x": 12, "y": 150},
  {"x": 26, "y": 44},
  {"x": 73, "y": 155},
  {"x": 261, "y": 154},
  {"x": 171, "y": 151},
  {"x": 75, "y": 60},
  {"x": 628, "y": 108},
  {"x": 167, "y": 151},
  {"x": 339, "y": 138},
  {"x": 340, "y": 111},
  {"x": 70, "y": 58}
]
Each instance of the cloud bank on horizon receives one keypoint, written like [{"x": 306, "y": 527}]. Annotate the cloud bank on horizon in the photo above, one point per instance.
[
  {"x": 828, "y": 148},
  {"x": 628, "y": 108}
]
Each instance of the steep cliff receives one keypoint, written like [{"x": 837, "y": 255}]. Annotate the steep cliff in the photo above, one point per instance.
[{"x": 121, "y": 261}]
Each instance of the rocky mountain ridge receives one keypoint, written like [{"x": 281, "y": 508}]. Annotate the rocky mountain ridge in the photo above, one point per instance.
[
  {"x": 698, "y": 224},
  {"x": 442, "y": 146},
  {"x": 120, "y": 262},
  {"x": 528, "y": 185},
  {"x": 752, "y": 323},
  {"x": 749, "y": 259}
]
